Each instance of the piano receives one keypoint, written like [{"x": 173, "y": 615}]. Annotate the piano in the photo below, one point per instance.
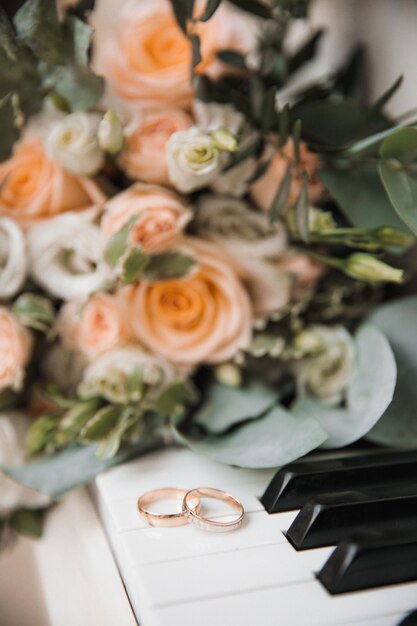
[{"x": 327, "y": 541}]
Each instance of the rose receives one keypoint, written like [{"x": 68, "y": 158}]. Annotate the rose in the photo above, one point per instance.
[
  {"x": 109, "y": 375},
  {"x": 161, "y": 216},
  {"x": 15, "y": 350},
  {"x": 327, "y": 374},
  {"x": 264, "y": 190},
  {"x": 66, "y": 255},
  {"x": 33, "y": 188},
  {"x": 144, "y": 154},
  {"x": 13, "y": 258},
  {"x": 94, "y": 328},
  {"x": 146, "y": 57},
  {"x": 203, "y": 318},
  {"x": 72, "y": 142},
  {"x": 193, "y": 160},
  {"x": 13, "y": 496}
]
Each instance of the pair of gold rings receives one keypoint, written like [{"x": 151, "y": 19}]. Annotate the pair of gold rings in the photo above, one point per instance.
[{"x": 191, "y": 508}]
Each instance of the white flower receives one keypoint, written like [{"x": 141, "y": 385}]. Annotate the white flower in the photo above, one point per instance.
[
  {"x": 193, "y": 159},
  {"x": 110, "y": 375},
  {"x": 327, "y": 374},
  {"x": 212, "y": 116},
  {"x": 66, "y": 255},
  {"x": 110, "y": 133},
  {"x": 72, "y": 142},
  {"x": 12, "y": 495},
  {"x": 13, "y": 258},
  {"x": 251, "y": 242}
]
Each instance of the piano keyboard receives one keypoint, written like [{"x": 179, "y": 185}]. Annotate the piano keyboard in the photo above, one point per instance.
[{"x": 261, "y": 573}]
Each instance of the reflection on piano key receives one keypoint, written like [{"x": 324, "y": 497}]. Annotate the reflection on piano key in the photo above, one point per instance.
[
  {"x": 293, "y": 485},
  {"x": 371, "y": 561}
]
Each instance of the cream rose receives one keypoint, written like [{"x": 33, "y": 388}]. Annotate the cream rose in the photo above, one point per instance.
[
  {"x": 264, "y": 190},
  {"x": 66, "y": 255},
  {"x": 93, "y": 328},
  {"x": 161, "y": 216},
  {"x": 13, "y": 258},
  {"x": 326, "y": 374},
  {"x": 15, "y": 351},
  {"x": 72, "y": 142},
  {"x": 144, "y": 156},
  {"x": 13, "y": 428},
  {"x": 34, "y": 188},
  {"x": 147, "y": 58},
  {"x": 202, "y": 318},
  {"x": 109, "y": 375}
]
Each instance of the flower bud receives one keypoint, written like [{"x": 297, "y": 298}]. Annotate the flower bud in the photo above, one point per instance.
[
  {"x": 110, "y": 133},
  {"x": 388, "y": 236},
  {"x": 229, "y": 375},
  {"x": 318, "y": 221},
  {"x": 369, "y": 269},
  {"x": 224, "y": 140},
  {"x": 307, "y": 341}
]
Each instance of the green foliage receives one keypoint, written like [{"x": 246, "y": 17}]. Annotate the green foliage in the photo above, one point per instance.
[
  {"x": 34, "y": 311},
  {"x": 118, "y": 243},
  {"x": 168, "y": 265},
  {"x": 28, "y": 522},
  {"x": 8, "y": 128},
  {"x": 174, "y": 397},
  {"x": 134, "y": 265}
]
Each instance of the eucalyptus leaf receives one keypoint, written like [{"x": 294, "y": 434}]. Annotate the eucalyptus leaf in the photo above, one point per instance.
[
  {"x": 398, "y": 321},
  {"x": 134, "y": 265},
  {"x": 368, "y": 395},
  {"x": 8, "y": 41},
  {"x": 270, "y": 441},
  {"x": 224, "y": 407},
  {"x": 402, "y": 192},
  {"x": 79, "y": 87},
  {"x": 400, "y": 145},
  {"x": 81, "y": 34},
  {"x": 168, "y": 265},
  {"x": 57, "y": 474},
  {"x": 118, "y": 243},
  {"x": 177, "y": 394},
  {"x": 38, "y": 27},
  {"x": 8, "y": 131}
]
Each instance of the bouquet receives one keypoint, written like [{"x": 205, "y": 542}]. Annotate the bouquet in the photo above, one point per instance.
[{"x": 196, "y": 246}]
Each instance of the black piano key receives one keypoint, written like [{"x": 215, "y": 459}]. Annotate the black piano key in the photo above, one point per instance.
[
  {"x": 296, "y": 483},
  {"x": 328, "y": 519},
  {"x": 371, "y": 561},
  {"x": 410, "y": 620}
]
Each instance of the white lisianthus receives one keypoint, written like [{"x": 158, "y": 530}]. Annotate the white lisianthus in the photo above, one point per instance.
[
  {"x": 13, "y": 258},
  {"x": 67, "y": 257},
  {"x": 110, "y": 133},
  {"x": 212, "y": 116},
  {"x": 193, "y": 159},
  {"x": 250, "y": 242},
  {"x": 12, "y": 452},
  {"x": 326, "y": 374},
  {"x": 126, "y": 373},
  {"x": 72, "y": 142}
]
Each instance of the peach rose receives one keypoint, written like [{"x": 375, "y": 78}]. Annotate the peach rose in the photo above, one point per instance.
[
  {"x": 264, "y": 190},
  {"x": 161, "y": 214},
  {"x": 32, "y": 187},
  {"x": 147, "y": 58},
  {"x": 94, "y": 328},
  {"x": 15, "y": 350},
  {"x": 205, "y": 317},
  {"x": 144, "y": 153}
]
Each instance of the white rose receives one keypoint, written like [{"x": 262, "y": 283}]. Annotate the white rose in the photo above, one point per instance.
[
  {"x": 13, "y": 258},
  {"x": 326, "y": 374},
  {"x": 251, "y": 242},
  {"x": 109, "y": 375},
  {"x": 66, "y": 255},
  {"x": 13, "y": 428},
  {"x": 193, "y": 159},
  {"x": 72, "y": 142}
]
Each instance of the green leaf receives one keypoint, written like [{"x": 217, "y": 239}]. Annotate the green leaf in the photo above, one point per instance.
[
  {"x": 169, "y": 265},
  {"x": 284, "y": 125},
  {"x": 34, "y": 311},
  {"x": 38, "y": 27},
  {"x": 8, "y": 42},
  {"x": 270, "y": 441},
  {"x": 398, "y": 321},
  {"x": 196, "y": 50},
  {"x": 183, "y": 10},
  {"x": 224, "y": 406},
  {"x": 118, "y": 243},
  {"x": 302, "y": 210},
  {"x": 368, "y": 395},
  {"x": 280, "y": 202},
  {"x": 243, "y": 154},
  {"x": 402, "y": 192},
  {"x": 361, "y": 197},
  {"x": 41, "y": 434},
  {"x": 177, "y": 394},
  {"x": 387, "y": 95},
  {"x": 306, "y": 52},
  {"x": 76, "y": 84},
  {"x": 74, "y": 420},
  {"x": 296, "y": 138},
  {"x": 254, "y": 7},
  {"x": 74, "y": 466},
  {"x": 28, "y": 522},
  {"x": 134, "y": 265},
  {"x": 111, "y": 443},
  {"x": 9, "y": 134},
  {"x": 268, "y": 112},
  {"x": 210, "y": 9},
  {"x": 81, "y": 34},
  {"x": 233, "y": 58},
  {"x": 101, "y": 424},
  {"x": 400, "y": 145}
]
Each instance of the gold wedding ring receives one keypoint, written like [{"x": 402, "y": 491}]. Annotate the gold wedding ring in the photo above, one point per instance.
[
  {"x": 165, "y": 519},
  {"x": 193, "y": 515}
]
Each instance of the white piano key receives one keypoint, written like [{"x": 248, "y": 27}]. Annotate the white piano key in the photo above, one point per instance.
[
  {"x": 152, "y": 545},
  {"x": 292, "y": 605}
]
